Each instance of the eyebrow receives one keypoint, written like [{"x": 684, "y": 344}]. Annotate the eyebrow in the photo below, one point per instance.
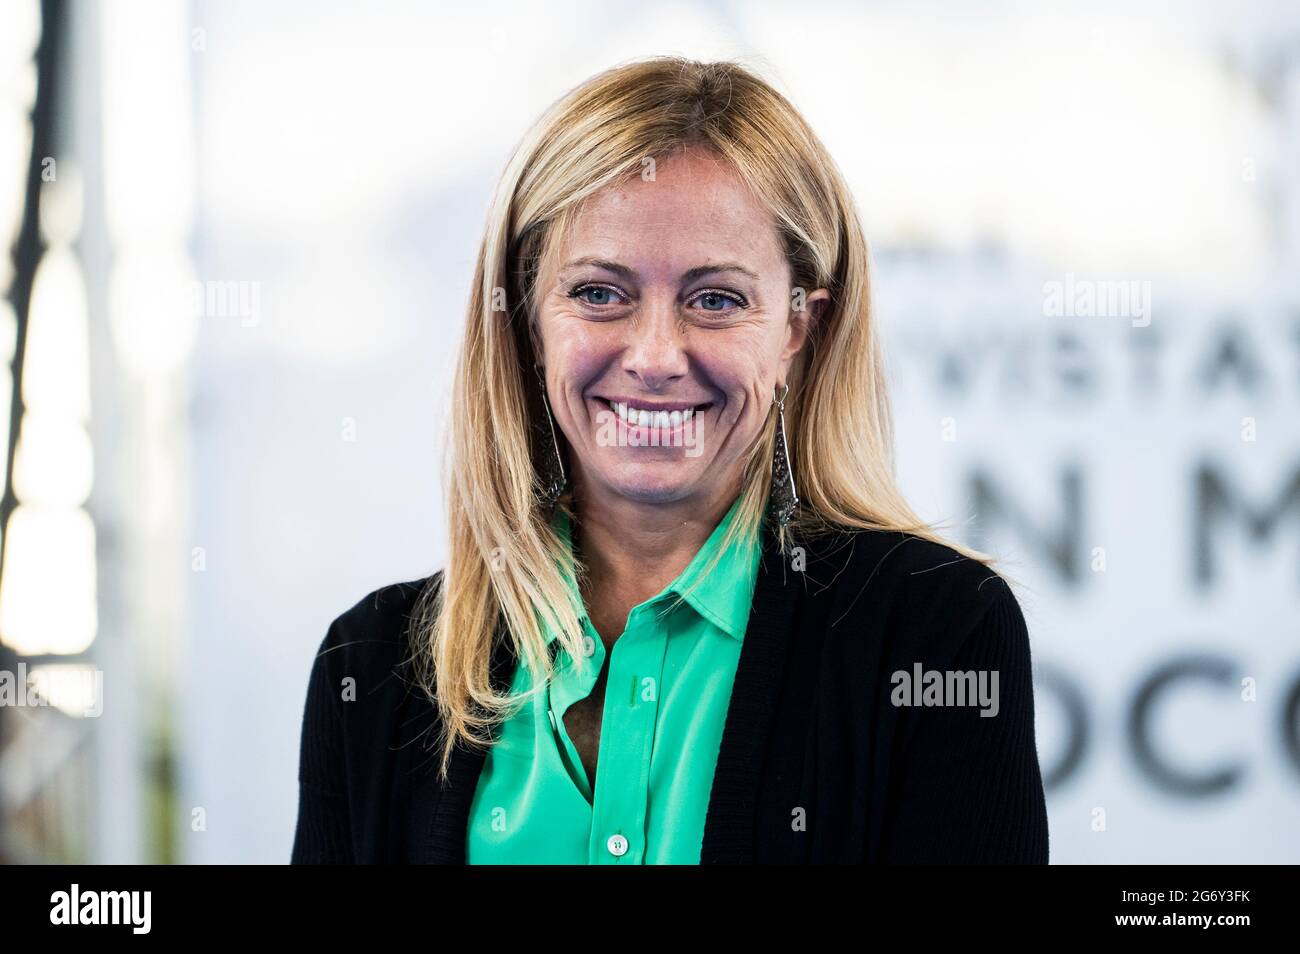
[{"x": 689, "y": 275}]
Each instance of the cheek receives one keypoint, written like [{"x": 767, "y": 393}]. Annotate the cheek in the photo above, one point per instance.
[
  {"x": 740, "y": 370},
  {"x": 581, "y": 367},
  {"x": 576, "y": 351}
]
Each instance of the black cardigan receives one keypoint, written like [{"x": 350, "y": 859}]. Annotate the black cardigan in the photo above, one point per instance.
[{"x": 816, "y": 764}]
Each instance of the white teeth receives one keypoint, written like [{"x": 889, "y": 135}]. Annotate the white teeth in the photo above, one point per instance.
[{"x": 660, "y": 419}]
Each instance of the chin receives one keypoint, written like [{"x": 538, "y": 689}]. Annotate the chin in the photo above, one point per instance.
[{"x": 651, "y": 484}]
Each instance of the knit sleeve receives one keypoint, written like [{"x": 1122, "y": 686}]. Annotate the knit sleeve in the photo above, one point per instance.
[
  {"x": 322, "y": 835},
  {"x": 968, "y": 788}
]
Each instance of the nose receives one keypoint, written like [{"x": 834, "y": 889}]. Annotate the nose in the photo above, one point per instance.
[{"x": 655, "y": 353}]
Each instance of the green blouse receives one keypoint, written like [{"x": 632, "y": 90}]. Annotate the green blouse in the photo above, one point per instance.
[{"x": 666, "y": 698}]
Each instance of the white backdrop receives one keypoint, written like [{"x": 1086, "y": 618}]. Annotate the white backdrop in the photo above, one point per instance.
[{"x": 345, "y": 154}]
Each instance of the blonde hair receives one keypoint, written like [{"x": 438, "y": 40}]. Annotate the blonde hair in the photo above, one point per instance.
[{"x": 506, "y": 564}]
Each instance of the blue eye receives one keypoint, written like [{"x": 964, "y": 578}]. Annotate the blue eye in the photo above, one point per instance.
[
  {"x": 595, "y": 295},
  {"x": 719, "y": 300}
]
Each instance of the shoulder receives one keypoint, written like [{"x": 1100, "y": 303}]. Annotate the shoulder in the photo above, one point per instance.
[
  {"x": 370, "y": 640},
  {"x": 904, "y": 565},
  {"x": 925, "y": 591},
  {"x": 383, "y": 613}
]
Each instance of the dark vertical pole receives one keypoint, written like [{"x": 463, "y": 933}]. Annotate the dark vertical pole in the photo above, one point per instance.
[{"x": 29, "y": 247}]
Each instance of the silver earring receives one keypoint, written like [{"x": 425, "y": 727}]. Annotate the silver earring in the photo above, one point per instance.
[
  {"x": 550, "y": 469},
  {"x": 783, "y": 499}
]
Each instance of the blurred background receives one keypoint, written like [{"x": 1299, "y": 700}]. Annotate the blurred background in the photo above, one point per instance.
[{"x": 241, "y": 238}]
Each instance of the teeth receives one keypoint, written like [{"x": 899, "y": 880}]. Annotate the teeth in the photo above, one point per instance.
[{"x": 660, "y": 419}]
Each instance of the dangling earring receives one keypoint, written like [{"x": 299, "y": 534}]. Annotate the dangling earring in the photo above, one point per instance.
[
  {"x": 783, "y": 499},
  {"x": 551, "y": 467}
]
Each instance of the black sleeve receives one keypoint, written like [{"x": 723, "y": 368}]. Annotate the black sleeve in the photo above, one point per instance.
[
  {"x": 968, "y": 788},
  {"x": 323, "y": 834}
]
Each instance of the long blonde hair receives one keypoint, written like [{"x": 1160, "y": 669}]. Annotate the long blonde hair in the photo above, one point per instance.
[{"x": 506, "y": 564}]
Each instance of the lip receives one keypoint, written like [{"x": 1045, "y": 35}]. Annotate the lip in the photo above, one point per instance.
[
  {"x": 651, "y": 435},
  {"x": 641, "y": 404}
]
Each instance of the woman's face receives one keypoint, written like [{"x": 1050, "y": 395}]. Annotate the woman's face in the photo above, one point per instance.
[{"x": 666, "y": 321}]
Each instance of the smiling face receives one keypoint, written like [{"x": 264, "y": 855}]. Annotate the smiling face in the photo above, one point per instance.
[{"x": 666, "y": 323}]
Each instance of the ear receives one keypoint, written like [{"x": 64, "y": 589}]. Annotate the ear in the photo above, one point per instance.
[{"x": 806, "y": 309}]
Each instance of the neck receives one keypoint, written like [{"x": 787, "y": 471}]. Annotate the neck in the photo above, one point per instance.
[{"x": 633, "y": 549}]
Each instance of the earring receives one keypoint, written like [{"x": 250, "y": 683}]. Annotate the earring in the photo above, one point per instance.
[
  {"x": 783, "y": 499},
  {"x": 551, "y": 467}
]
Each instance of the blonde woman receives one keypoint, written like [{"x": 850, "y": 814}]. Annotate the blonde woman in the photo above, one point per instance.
[{"x": 686, "y": 616}]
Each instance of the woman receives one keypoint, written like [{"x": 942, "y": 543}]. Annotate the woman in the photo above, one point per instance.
[{"x": 686, "y": 616}]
